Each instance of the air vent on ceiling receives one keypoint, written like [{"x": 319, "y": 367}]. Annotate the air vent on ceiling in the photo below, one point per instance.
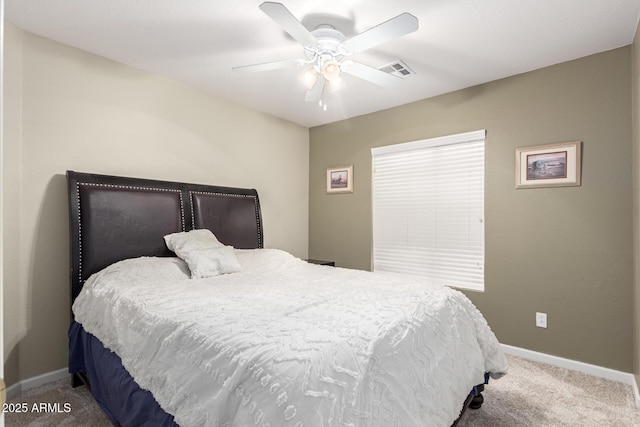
[{"x": 398, "y": 68}]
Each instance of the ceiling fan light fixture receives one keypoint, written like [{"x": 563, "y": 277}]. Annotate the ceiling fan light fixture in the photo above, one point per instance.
[
  {"x": 330, "y": 70},
  {"x": 310, "y": 77}
]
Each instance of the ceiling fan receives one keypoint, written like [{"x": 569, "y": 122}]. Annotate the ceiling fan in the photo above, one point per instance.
[{"x": 328, "y": 51}]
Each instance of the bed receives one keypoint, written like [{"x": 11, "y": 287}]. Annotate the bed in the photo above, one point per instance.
[{"x": 235, "y": 334}]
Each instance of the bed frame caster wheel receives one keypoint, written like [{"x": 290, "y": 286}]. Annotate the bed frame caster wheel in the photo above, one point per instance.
[{"x": 477, "y": 401}]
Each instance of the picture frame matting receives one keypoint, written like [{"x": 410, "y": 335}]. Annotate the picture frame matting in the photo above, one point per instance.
[
  {"x": 549, "y": 165},
  {"x": 340, "y": 179}
]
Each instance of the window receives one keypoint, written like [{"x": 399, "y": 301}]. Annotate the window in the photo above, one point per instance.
[{"x": 428, "y": 209}]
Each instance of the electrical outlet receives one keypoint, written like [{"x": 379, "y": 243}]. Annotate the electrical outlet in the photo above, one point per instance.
[{"x": 541, "y": 320}]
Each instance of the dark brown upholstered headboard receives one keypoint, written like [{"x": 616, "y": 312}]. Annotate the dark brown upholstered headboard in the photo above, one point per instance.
[{"x": 113, "y": 218}]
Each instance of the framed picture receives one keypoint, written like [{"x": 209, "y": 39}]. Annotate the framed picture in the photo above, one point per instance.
[
  {"x": 340, "y": 179},
  {"x": 551, "y": 165}
]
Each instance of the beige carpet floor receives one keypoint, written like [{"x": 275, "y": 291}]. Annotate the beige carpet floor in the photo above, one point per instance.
[
  {"x": 533, "y": 394},
  {"x": 540, "y": 395}
]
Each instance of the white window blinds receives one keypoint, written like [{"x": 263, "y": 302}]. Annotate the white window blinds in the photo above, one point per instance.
[{"x": 428, "y": 209}]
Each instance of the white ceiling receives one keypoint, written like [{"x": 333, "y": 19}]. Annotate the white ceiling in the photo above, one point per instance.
[{"x": 460, "y": 43}]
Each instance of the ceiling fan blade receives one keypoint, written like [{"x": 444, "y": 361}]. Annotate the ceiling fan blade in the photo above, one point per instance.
[
  {"x": 399, "y": 26},
  {"x": 371, "y": 74},
  {"x": 281, "y": 16},
  {"x": 315, "y": 93},
  {"x": 268, "y": 66}
]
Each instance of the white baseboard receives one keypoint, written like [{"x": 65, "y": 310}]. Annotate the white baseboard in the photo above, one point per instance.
[
  {"x": 597, "y": 371},
  {"x": 574, "y": 365},
  {"x": 33, "y": 382}
]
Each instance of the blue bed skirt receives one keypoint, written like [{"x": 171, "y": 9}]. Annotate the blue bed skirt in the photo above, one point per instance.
[{"x": 124, "y": 402}]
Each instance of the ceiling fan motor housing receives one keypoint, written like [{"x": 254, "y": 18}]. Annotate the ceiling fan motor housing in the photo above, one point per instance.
[{"x": 328, "y": 53}]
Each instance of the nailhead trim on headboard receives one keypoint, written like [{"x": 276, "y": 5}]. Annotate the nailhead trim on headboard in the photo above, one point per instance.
[
  {"x": 80, "y": 184},
  {"x": 123, "y": 187},
  {"x": 255, "y": 204}
]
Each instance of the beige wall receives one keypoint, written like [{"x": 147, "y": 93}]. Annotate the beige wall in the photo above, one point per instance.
[
  {"x": 635, "y": 86},
  {"x": 72, "y": 110},
  {"x": 564, "y": 251}
]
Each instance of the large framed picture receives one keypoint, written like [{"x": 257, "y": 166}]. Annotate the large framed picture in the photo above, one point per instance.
[
  {"x": 551, "y": 165},
  {"x": 340, "y": 179}
]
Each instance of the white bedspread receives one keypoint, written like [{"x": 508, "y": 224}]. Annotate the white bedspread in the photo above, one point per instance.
[{"x": 287, "y": 343}]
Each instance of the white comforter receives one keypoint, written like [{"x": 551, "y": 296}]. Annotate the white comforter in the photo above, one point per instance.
[{"x": 287, "y": 343}]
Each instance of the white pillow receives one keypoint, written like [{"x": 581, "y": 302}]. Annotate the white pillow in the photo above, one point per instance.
[
  {"x": 203, "y": 253},
  {"x": 212, "y": 262}
]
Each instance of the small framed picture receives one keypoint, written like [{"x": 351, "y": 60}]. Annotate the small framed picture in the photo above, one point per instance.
[
  {"x": 340, "y": 179},
  {"x": 551, "y": 165}
]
